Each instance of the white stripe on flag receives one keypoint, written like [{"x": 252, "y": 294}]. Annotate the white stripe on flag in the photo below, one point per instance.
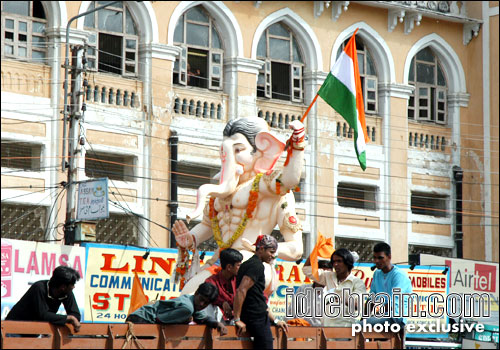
[
  {"x": 343, "y": 70},
  {"x": 360, "y": 142}
]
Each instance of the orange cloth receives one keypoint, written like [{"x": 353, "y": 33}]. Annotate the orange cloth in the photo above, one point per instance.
[
  {"x": 214, "y": 269},
  {"x": 324, "y": 249},
  {"x": 138, "y": 298},
  {"x": 298, "y": 322}
]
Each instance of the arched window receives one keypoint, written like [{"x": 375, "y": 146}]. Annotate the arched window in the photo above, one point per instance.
[
  {"x": 23, "y": 30},
  {"x": 281, "y": 76},
  {"x": 200, "y": 62},
  {"x": 113, "y": 42},
  {"x": 428, "y": 101},
  {"x": 367, "y": 73}
]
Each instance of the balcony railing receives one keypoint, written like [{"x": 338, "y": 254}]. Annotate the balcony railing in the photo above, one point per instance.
[
  {"x": 429, "y": 138},
  {"x": 200, "y": 103},
  {"x": 113, "y": 91}
]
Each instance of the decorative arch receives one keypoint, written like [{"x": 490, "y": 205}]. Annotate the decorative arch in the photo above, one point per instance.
[
  {"x": 303, "y": 32},
  {"x": 378, "y": 48},
  {"x": 56, "y": 13},
  {"x": 144, "y": 15},
  {"x": 230, "y": 31},
  {"x": 450, "y": 62}
]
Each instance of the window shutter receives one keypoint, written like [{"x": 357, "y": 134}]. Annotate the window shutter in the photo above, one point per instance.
[
  {"x": 267, "y": 75},
  {"x": 92, "y": 52},
  {"x": 296, "y": 83},
  {"x": 129, "y": 56},
  {"x": 183, "y": 66},
  {"x": 371, "y": 94},
  {"x": 423, "y": 97},
  {"x": 215, "y": 74},
  {"x": 440, "y": 106}
]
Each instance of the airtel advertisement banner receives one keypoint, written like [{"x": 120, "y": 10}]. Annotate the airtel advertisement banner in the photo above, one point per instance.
[{"x": 470, "y": 276}]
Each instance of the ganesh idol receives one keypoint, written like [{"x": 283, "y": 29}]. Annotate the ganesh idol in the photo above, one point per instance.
[{"x": 250, "y": 200}]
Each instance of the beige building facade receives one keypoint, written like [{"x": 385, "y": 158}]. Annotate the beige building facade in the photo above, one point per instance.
[{"x": 171, "y": 74}]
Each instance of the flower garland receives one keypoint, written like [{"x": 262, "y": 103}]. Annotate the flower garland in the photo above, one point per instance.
[
  {"x": 252, "y": 204},
  {"x": 183, "y": 263},
  {"x": 278, "y": 187}
]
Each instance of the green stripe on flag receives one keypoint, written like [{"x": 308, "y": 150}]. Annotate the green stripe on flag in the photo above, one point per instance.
[{"x": 337, "y": 95}]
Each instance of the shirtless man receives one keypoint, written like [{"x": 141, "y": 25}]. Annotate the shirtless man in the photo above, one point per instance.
[{"x": 251, "y": 198}]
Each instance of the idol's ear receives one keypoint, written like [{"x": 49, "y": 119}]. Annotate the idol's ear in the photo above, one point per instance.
[{"x": 271, "y": 149}]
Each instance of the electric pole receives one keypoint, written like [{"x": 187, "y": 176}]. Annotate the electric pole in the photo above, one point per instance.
[{"x": 73, "y": 143}]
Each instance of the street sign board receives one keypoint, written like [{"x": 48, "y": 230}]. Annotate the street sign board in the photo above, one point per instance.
[{"x": 93, "y": 200}]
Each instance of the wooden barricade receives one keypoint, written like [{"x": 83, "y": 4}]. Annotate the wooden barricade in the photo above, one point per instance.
[
  {"x": 186, "y": 337},
  {"x": 29, "y": 335},
  {"x": 374, "y": 340},
  {"x": 339, "y": 338},
  {"x": 140, "y": 336},
  {"x": 300, "y": 338},
  {"x": 90, "y": 336},
  {"x": 232, "y": 341},
  {"x": 43, "y": 335}
]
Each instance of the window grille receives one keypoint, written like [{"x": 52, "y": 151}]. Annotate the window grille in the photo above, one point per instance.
[
  {"x": 429, "y": 204},
  {"x": 363, "y": 247},
  {"x": 119, "y": 229},
  {"x": 357, "y": 196},
  {"x": 19, "y": 155},
  {"x": 194, "y": 175},
  {"x": 112, "y": 166},
  {"x": 25, "y": 222}
]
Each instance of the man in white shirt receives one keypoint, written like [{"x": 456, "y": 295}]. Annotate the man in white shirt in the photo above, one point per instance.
[{"x": 335, "y": 281}]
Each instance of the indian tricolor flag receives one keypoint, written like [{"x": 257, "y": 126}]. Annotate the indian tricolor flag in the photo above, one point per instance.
[{"x": 342, "y": 91}]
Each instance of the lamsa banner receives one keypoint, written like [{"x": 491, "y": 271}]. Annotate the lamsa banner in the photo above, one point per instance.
[{"x": 24, "y": 263}]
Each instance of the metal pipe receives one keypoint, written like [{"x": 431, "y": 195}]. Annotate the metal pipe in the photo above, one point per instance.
[
  {"x": 458, "y": 175},
  {"x": 173, "y": 141}
]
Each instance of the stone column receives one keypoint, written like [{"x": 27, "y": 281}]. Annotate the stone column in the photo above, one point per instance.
[
  {"x": 319, "y": 166},
  {"x": 158, "y": 127},
  {"x": 395, "y": 135},
  {"x": 240, "y": 83}
]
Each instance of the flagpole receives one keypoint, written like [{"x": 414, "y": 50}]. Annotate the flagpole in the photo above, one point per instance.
[{"x": 309, "y": 108}]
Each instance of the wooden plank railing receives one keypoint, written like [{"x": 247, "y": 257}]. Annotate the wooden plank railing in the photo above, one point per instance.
[{"x": 42, "y": 335}]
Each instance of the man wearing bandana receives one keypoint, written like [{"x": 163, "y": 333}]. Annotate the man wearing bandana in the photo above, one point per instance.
[{"x": 251, "y": 312}]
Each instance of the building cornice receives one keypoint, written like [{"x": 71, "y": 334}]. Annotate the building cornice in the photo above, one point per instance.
[
  {"x": 76, "y": 37},
  {"x": 162, "y": 51},
  {"x": 396, "y": 90},
  {"x": 241, "y": 64},
  {"x": 458, "y": 98}
]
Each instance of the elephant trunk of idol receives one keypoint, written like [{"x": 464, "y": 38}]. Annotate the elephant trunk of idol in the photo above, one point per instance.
[{"x": 229, "y": 178}]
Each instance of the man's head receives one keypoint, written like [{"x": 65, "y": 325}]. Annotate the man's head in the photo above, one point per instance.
[
  {"x": 342, "y": 261},
  {"x": 63, "y": 281},
  {"x": 230, "y": 261},
  {"x": 382, "y": 255},
  {"x": 205, "y": 295},
  {"x": 266, "y": 247}
]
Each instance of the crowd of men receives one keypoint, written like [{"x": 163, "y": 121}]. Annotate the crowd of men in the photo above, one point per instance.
[{"x": 237, "y": 291}]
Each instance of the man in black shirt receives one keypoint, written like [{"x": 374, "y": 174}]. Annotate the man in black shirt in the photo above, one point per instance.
[
  {"x": 42, "y": 300},
  {"x": 250, "y": 308}
]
